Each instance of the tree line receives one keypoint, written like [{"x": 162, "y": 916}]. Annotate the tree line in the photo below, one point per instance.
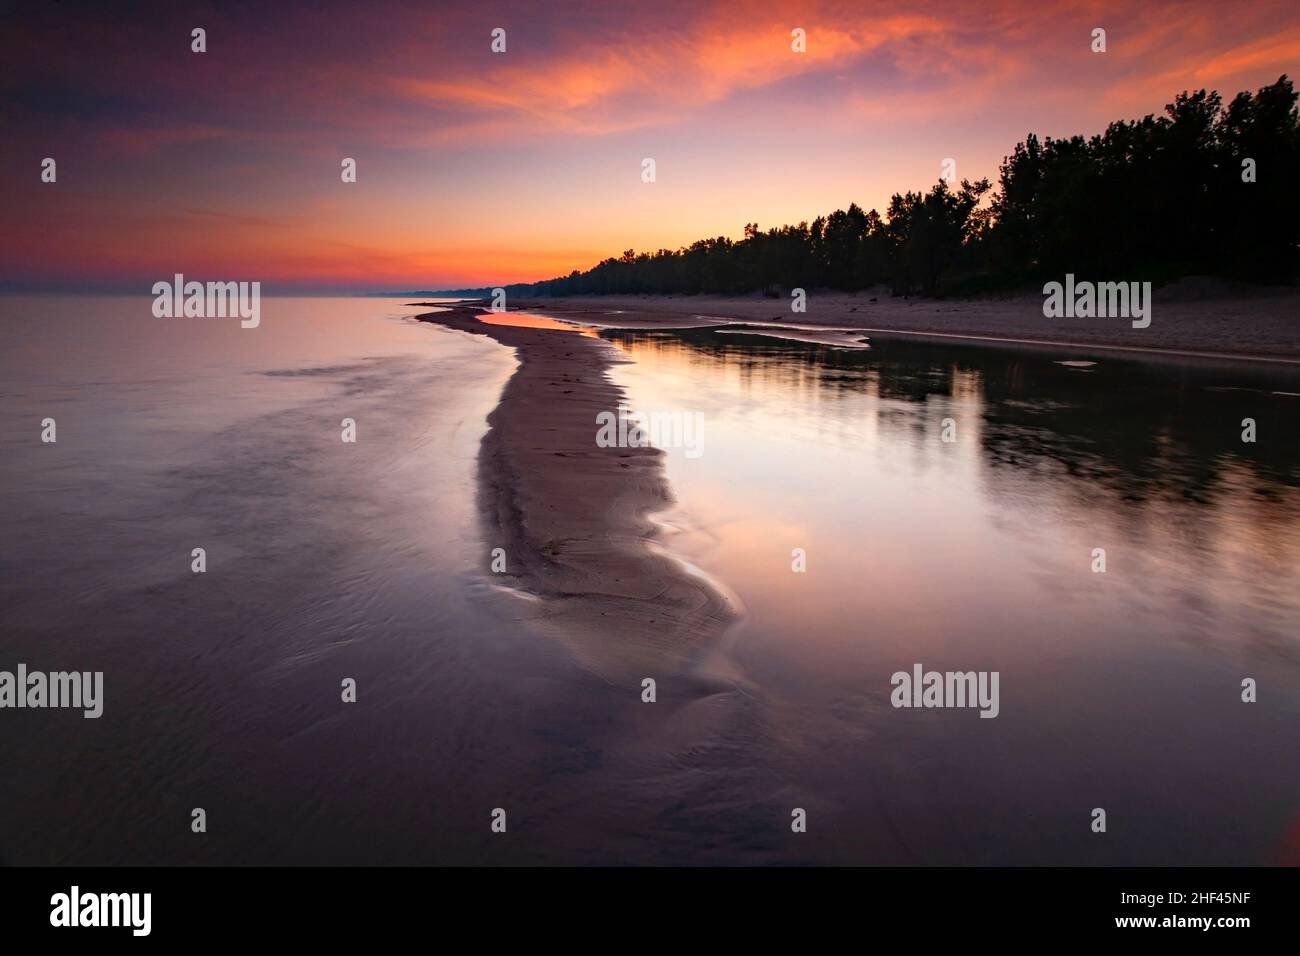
[{"x": 1206, "y": 188}]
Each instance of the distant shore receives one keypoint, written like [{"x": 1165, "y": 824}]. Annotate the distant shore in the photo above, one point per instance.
[
  {"x": 573, "y": 518},
  {"x": 1260, "y": 325}
]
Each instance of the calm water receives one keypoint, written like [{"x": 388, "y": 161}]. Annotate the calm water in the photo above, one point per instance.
[
  {"x": 325, "y": 560},
  {"x": 1118, "y": 690},
  {"x": 329, "y": 560}
]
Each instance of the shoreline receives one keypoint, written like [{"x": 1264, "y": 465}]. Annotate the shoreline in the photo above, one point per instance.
[
  {"x": 1262, "y": 329},
  {"x": 575, "y": 519}
]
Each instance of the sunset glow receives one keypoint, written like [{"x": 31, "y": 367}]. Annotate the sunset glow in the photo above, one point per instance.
[{"x": 477, "y": 169}]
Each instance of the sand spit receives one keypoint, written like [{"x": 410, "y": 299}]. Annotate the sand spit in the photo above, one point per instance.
[{"x": 574, "y": 518}]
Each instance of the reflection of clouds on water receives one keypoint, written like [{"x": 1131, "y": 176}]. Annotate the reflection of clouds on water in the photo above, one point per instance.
[
  {"x": 965, "y": 555},
  {"x": 976, "y": 554}
]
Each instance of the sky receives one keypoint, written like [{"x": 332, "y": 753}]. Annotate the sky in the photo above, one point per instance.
[{"x": 477, "y": 168}]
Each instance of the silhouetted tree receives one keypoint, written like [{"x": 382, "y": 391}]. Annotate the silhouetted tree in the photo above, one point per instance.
[{"x": 1151, "y": 198}]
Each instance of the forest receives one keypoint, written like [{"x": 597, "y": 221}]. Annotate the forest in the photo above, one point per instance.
[{"x": 1204, "y": 189}]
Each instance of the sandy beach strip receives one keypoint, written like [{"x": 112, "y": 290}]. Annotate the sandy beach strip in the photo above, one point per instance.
[
  {"x": 1259, "y": 326},
  {"x": 574, "y": 518}
]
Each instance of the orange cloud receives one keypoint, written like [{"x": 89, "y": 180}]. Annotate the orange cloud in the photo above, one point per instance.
[
  {"x": 601, "y": 86},
  {"x": 478, "y": 168}
]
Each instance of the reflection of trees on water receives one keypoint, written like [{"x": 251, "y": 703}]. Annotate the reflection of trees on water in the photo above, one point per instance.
[{"x": 1132, "y": 430}]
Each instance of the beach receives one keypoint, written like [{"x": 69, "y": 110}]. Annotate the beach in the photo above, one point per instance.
[
  {"x": 521, "y": 685},
  {"x": 1210, "y": 320},
  {"x": 961, "y": 556},
  {"x": 573, "y": 518},
  {"x": 582, "y": 438}
]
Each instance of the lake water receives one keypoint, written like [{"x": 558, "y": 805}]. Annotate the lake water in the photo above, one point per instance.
[
  {"x": 328, "y": 560},
  {"x": 1119, "y": 690}
]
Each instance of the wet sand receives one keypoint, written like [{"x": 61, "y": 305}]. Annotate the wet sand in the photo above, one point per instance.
[
  {"x": 1187, "y": 322},
  {"x": 574, "y": 518}
]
